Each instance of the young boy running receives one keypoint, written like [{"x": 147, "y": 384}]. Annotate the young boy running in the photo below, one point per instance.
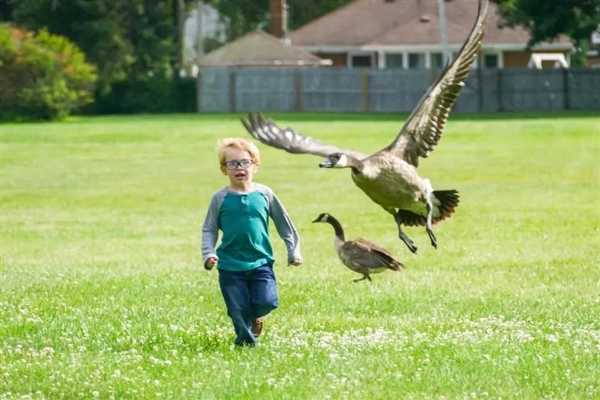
[{"x": 245, "y": 257}]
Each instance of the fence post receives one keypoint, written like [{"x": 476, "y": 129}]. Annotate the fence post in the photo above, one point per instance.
[
  {"x": 232, "y": 91},
  {"x": 499, "y": 93},
  {"x": 199, "y": 92},
  {"x": 365, "y": 89},
  {"x": 298, "y": 83},
  {"x": 566, "y": 89}
]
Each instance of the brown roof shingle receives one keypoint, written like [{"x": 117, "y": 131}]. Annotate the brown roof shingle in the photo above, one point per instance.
[
  {"x": 400, "y": 22},
  {"x": 258, "y": 49}
]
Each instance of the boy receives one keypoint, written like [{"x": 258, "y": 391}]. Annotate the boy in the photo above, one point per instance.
[{"x": 245, "y": 257}]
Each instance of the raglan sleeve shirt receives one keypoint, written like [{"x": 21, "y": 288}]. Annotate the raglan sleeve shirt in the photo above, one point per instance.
[
  {"x": 241, "y": 246},
  {"x": 210, "y": 228},
  {"x": 286, "y": 229}
]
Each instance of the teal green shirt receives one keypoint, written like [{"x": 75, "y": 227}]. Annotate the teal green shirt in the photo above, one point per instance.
[{"x": 243, "y": 218}]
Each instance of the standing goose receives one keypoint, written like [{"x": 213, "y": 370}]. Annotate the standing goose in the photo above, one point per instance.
[
  {"x": 389, "y": 177},
  {"x": 360, "y": 255}
]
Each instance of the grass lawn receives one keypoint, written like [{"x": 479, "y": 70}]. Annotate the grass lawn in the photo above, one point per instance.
[{"x": 102, "y": 292}]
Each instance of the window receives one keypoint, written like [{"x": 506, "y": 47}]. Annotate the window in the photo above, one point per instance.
[
  {"x": 394, "y": 60},
  {"x": 490, "y": 61},
  {"x": 416, "y": 60},
  {"x": 361, "y": 61},
  {"x": 437, "y": 61}
]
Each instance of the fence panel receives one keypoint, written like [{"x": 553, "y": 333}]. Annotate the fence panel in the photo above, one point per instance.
[
  {"x": 213, "y": 90},
  {"x": 334, "y": 90},
  {"x": 523, "y": 90},
  {"x": 356, "y": 90},
  {"x": 264, "y": 89},
  {"x": 490, "y": 91},
  {"x": 584, "y": 89},
  {"x": 397, "y": 90},
  {"x": 469, "y": 98}
]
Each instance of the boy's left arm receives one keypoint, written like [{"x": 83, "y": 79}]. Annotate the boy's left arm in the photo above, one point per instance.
[{"x": 286, "y": 229}]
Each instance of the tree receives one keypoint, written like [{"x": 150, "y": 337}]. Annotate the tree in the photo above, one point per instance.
[
  {"x": 546, "y": 20},
  {"x": 248, "y": 15},
  {"x": 126, "y": 39},
  {"x": 304, "y": 11}
]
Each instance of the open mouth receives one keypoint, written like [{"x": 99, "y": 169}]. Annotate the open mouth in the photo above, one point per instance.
[{"x": 240, "y": 175}]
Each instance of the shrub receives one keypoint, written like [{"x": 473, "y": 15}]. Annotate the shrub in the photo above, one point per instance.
[
  {"x": 152, "y": 95},
  {"x": 42, "y": 76}
]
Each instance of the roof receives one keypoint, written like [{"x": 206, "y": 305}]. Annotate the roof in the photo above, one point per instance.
[
  {"x": 381, "y": 23},
  {"x": 259, "y": 49}
]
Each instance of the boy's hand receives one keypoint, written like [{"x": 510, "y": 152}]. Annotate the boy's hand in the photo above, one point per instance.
[
  {"x": 210, "y": 263},
  {"x": 296, "y": 262}
]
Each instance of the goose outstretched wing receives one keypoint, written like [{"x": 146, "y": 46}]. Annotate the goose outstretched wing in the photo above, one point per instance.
[
  {"x": 267, "y": 132},
  {"x": 424, "y": 127}
]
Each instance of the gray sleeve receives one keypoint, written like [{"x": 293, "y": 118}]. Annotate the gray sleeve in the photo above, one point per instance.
[
  {"x": 286, "y": 229},
  {"x": 210, "y": 228}
]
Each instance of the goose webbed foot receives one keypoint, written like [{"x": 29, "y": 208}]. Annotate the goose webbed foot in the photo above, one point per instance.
[
  {"x": 432, "y": 238},
  {"x": 363, "y": 278},
  {"x": 407, "y": 241}
]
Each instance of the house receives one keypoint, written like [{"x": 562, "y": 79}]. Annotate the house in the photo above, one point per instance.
[
  {"x": 259, "y": 49},
  {"x": 406, "y": 34}
]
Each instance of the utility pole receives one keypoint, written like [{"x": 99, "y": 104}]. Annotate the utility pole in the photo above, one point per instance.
[
  {"x": 180, "y": 11},
  {"x": 443, "y": 31}
]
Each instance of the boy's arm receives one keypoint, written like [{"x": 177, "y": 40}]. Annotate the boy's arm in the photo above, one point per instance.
[
  {"x": 286, "y": 229},
  {"x": 210, "y": 230}
]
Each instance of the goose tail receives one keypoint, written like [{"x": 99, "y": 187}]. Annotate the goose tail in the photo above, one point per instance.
[
  {"x": 395, "y": 265},
  {"x": 448, "y": 202}
]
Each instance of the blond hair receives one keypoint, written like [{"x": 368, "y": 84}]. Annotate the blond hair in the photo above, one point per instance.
[{"x": 238, "y": 143}]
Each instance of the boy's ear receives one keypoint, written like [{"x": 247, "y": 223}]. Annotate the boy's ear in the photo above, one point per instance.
[{"x": 223, "y": 169}]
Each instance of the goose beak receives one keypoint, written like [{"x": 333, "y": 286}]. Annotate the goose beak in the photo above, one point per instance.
[
  {"x": 316, "y": 220},
  {"x": 326, "y": 163}
]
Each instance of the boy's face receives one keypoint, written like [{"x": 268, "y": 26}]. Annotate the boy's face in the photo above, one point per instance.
[{"x": 239, "y": 167}]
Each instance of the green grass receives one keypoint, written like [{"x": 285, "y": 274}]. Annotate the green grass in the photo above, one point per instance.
[{"x": 102, "y": 292}]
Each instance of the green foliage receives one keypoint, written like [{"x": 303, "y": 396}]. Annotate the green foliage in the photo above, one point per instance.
[
  {"x": 548, "y": 19},
  {"x": 248, "y": 15},
  {"x": 126, "y": 39},
  {"x": 155, "y": 95},
  {"x": 42, "y": 75},
  {"x": 103, "y": 295},
  {"x": 304, "y": 11}
]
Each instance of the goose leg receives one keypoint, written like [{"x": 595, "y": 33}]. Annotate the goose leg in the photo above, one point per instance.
[
  {"x": 428, "y": 227},
  {"x": 365, "y": 276},
  {"x": 407, "y": 241}
]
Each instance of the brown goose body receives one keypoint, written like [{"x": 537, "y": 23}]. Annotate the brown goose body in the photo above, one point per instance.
[{"x": 360, "y": 255}]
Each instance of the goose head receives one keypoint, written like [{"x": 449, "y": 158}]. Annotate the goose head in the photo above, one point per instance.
[
  {"x": 337, "y": 227},
  {"x": 323, "y": 217}
]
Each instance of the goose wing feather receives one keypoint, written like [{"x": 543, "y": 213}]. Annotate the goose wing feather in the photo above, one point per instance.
[
  {"x": 267, "y": 132},
  {"x": 368, "y": 254},
  {"x": 423, "y": 129}
]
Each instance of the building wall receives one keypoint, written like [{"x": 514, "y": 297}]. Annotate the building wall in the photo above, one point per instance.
[{"x": 516, "y": 59}]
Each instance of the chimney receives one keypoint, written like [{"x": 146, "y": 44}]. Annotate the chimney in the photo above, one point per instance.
[{"x": 279, "y": 18}]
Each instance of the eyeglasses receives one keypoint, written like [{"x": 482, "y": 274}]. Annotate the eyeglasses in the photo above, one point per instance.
[{"x": 235, "y": 164}]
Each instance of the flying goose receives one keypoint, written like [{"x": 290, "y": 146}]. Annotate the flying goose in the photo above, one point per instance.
[
  {"x": 389, "y": 177},
  {"x": 360, "y": 255}
]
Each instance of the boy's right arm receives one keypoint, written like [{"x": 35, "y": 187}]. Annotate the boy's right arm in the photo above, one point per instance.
[{"x": 210, "y": 233}]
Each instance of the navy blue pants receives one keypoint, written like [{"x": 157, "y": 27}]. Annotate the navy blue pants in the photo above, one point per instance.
[{"x": 248, "y": 295}]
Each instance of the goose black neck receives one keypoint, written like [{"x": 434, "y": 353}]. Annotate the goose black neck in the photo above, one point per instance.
[{"x": 337, "y": 227}]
